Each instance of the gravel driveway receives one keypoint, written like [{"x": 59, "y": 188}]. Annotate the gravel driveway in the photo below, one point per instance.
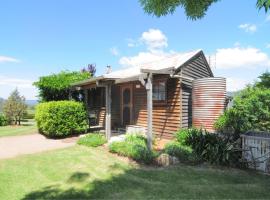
[{"x": 28, "y": 144}]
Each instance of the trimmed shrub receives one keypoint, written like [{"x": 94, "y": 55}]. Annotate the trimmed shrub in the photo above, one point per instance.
[
  {"x": 3, "y": 120},
  {"x": 135, "y": 147},
  {"x": 61, "y": 118},
  {"x": 92, "y": 140}
]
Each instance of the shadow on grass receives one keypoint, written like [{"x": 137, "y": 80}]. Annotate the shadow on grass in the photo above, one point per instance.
[
  {"x": 78, "y": 177},
  {"x": 169, "y": 183}
]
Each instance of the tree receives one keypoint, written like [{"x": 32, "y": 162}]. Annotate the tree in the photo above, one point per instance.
[
  {"x": 194, "y": 9},
  {"x": 57, "y": 87},
  {"x": 264, "y": 81},
  {"x": 91, "y": 68},
  {"x": 15, "y": 107},
  {"x": 1, "y": 104}
]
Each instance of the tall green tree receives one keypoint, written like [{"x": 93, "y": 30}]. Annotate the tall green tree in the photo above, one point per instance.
[
  {"x": 57, "y": 87},
  {"x": 1, "y": 104},
  {"x": 195, "y": 9},
  {"x": 264, "y": 81},
  {"x": 15, "y": 107}
]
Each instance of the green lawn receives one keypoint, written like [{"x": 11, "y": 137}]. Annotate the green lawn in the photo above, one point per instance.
[
  {"x": 93, "y": 173},
  {"x": 25, "y": 128}
]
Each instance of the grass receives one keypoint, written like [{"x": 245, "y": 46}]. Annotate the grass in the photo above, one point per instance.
[
  {"x": 92, "y": 173},
  {"x": 92, "y": 140},
  {"x": 27, "y": 127}
]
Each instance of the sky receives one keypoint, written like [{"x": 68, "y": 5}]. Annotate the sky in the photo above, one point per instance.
[{"x": 38, "y": 38}]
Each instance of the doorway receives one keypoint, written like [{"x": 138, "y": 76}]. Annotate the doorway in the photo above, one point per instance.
[{"x": 126, "y": 105}]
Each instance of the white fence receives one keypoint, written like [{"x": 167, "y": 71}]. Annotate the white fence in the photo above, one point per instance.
[{"x": 256, "y": 150}]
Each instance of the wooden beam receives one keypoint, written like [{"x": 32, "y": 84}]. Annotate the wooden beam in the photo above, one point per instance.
[
  {"x": 168, "y": 70},
  {"x": 149, "y": 89},
  {"x": 86, "y": 98},
  {"x": 108, "y": 111}
]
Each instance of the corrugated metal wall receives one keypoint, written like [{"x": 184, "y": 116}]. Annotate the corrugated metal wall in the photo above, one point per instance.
[{"x": 208, "y": 101}]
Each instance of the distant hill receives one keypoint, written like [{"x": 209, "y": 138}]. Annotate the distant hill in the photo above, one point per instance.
[
  {"x": 31, "y": 102},
  {"x": 28, "y": 102}
]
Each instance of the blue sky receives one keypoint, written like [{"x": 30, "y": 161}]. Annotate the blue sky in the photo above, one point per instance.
[{"x": 43, "y": 37}]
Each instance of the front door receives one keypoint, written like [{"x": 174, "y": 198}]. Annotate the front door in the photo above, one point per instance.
[{"x": 126, "y": 108}]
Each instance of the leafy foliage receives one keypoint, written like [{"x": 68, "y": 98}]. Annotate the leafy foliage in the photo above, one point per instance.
[
  {"x": 182, "y": 135},
  {"x": 135, "y": 147},
  {"x": 251, "y": 111},
  {"x": 194, "y": 9},
  {"x": 263, "y": 4},
  {"x": 92, "y": 140},
  {"x": 214, "y": 148},
  {"x": 15, "y": 107},
  {"x": 264, "y": 81},
  {"x": 182, "y": 152},
  {"x": 1, "y": 104},
  {"x": 56, "y": 87},
  {"x": 61, "y": 118},
  {"x": 3, "y": 120}
]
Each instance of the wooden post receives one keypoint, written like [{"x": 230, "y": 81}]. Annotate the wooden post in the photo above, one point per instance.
[
  {"x": 149, "y": 89},
  {"x": 86, "y": 97},
  {"x": 108, "y": 111}
]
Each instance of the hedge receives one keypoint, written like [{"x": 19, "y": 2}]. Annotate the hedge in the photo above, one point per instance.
[{"x": 61, "y": 118}]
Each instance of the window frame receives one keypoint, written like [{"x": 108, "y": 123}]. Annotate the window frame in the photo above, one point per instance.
[{"x": 157, "y": 82}]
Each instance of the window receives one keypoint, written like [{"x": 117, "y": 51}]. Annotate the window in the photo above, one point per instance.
[
  {"x": 96, "y": 98},
  {"x": 159, "y": 91}
]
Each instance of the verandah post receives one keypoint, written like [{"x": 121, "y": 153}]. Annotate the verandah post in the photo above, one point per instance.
[
  {"x": 108, "y": 111},
  {"x": 149, "y": 88}
]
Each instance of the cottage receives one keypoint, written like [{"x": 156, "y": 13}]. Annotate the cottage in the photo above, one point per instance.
[{"x": 155, "y": 97}]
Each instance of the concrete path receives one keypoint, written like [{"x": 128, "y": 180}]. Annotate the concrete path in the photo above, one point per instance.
[{"x": 28, "y": 144}]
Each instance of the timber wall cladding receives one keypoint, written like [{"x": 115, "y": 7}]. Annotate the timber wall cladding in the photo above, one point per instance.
[
  {"x": 195, "y": 69},
  {"x": 166, "y": 116}
]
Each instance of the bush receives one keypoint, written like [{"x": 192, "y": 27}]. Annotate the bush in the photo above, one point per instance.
[
  {"x": 182, "y": 135},
  {"x": 92, "y": 140},
  {"x": 3, "y": 120},
  {"x": 183, "y": 153},
  {"x": 135, "y": 147},
  {"x": 214, "y": 148},
  {"x": 61, "y": 118},
  {"x": 251, "y": 111},
  {"x": 56, "y": 87}
]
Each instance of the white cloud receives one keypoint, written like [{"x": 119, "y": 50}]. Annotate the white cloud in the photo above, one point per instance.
[
  {"x": 4, "y": 59},
  {"x": 15, "y": 82},
  {"x": 142, "y": 57},
  {"x": 235, "y": 84},
  {"x": 114, "y": 51},
  {"x": 132, "y": 43},
  {"x": 268, "y": 46},
  {"x": 155, "y": 42},
  {"x": 249, "y": 28},
  {"x": 237, "y": 57},
  {"x": 25, "y": 87},
  {"x": 154, "y": 39}
]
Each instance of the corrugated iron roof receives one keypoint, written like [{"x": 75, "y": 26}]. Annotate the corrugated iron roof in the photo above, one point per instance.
[{"x": 174, "y": 61}]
